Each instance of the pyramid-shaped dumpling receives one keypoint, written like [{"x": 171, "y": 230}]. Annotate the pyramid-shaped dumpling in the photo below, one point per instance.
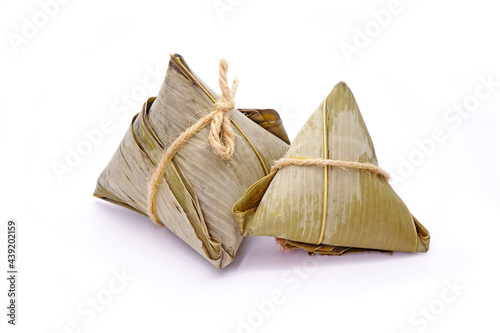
[
  {"x": 329, "y": 209},
  {"x": 199, "y": 188}
]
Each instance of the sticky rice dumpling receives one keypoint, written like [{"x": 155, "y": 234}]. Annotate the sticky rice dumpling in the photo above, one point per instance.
[
  {"x": 198, "y": 189},
  {"x": 328, "y": 195}
]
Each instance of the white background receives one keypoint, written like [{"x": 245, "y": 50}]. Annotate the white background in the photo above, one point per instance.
[{"x": 76, "y": 68}]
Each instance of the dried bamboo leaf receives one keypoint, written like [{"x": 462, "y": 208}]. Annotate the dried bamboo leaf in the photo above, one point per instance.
[
  {"x": 268, "y": 119},
  {"x": 363, "y": 213},
  {"x": 199, "y": 188}
]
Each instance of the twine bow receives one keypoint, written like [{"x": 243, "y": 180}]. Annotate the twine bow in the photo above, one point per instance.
[{"x": 221, "y": 136}]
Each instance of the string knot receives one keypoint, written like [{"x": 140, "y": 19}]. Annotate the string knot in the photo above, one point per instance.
[
  {"x": 221, "y": 134},
  {"x": 221, "y": 137}
]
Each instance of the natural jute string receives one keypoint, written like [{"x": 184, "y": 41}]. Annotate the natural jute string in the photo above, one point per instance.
[
  {"x": 324, "y": 162},
  {"x": 368, "y": 167},
  {"x": 221, "y": 136}
]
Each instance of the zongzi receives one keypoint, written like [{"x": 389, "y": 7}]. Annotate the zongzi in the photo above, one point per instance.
[
  {"x": 195, "y": 188},
  {"x": 328, "y": 195}
]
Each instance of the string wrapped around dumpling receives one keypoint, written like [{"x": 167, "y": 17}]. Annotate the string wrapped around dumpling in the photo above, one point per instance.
[
  {"x": 328, "y": 195},
  {"x": 197, "y": 188}
]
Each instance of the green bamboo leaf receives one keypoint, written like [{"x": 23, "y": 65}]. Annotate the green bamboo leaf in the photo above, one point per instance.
[
  {"x": 337, "y": 211},
  {"x": 199, "y": 188}
]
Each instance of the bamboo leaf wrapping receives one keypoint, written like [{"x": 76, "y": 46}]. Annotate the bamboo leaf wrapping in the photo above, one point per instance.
[
  {"x": 199, "y": 188},
  {"x": 363, "y": 212}
]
